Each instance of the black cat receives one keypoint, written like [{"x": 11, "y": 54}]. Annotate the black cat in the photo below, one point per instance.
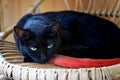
[{"x": 66, "y": 32}]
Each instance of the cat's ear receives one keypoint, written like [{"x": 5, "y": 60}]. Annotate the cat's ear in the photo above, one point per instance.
[
  {"x": 54, "y": 27},
  {"x": 21, "y": 33}
]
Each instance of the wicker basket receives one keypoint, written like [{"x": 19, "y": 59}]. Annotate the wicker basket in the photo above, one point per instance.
[{"x": 13, "y": 67}]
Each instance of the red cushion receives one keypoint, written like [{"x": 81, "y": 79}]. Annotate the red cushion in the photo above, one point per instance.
[{"x": 71, "y": 62}]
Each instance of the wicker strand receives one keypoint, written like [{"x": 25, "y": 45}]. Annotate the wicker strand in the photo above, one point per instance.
[
  {"x": 94, "y": 7},
  {"x": 33, "y": 74},
  {"x": 101, "y": 7},
  {"x": 73, "y": 72},
  {"x": 2, "y": 77},
  {"x": 106, "y": 75},
  {"x": 35, "y": 4},
  {"x": 93, "y": 74},
  {"x": 25, "y": 74},
  {"x": 41, "y": 74},
  {"x": 67, "y": 5},
  {"x": 17, "y": 70},
  {"x": 118, "y": 20},
  {"x": 80, "y": 74},
  {"x": 112, "y": 8},
  {"x": 81, "y": 5},
  {"x": 105, "y": 8},
  {"x": 89, "y": 6},
  {"x": 9, "y": 71},
  {"x": 85, "y": 74},
  {"x": 5, "y": 69},
  {"x": 76, "y": 5},
  {"x": 115, "y": 11},
  {"x": 51, "y": 75},
  {"x": 37, "y": 11},
  {"x": 98, "y": 74}
]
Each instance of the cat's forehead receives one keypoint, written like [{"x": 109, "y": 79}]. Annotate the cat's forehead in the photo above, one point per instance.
[
  {"x": 34, "y": 24},
  {"x": 37, "y": 23},
  {"x": 39, "y": 20}
]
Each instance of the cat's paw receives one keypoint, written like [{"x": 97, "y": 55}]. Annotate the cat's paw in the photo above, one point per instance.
[{"x": 28, "y": 60}]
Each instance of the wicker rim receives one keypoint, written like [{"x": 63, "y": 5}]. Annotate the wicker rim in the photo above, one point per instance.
[{"x": 16, "y": 72}]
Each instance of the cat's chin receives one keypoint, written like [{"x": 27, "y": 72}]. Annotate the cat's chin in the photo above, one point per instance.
[{"x": 42, "y": 61}]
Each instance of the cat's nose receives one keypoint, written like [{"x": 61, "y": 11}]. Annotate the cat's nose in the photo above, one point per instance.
[
  {"x": 43, "y": 56},
  {"x": 43, "y": 60}
]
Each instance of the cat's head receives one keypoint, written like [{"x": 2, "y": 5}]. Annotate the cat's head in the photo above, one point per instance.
[{"x": 39, "y": 39}]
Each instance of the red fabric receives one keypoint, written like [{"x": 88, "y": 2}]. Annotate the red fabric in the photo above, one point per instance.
[{"x": 72, "y": 62}]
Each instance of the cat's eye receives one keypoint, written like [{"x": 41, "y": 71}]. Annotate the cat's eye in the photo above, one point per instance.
[
  {"x": 50, "y": 46},
  {"x": 33, "y": 48}
]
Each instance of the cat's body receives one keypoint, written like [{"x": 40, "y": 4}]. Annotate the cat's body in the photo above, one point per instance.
[{"x": 68, "y": 33}]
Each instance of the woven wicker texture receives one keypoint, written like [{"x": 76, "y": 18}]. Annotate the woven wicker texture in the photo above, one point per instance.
[{"x": 13, "y": 67}]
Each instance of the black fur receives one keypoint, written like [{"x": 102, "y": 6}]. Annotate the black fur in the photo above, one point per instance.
[{"x": 67, "y": 32}]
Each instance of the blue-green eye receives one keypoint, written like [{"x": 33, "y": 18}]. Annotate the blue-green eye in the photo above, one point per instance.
[
  {"x": 33, "y": 48},
  {"x": 50, "y": 46}
]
